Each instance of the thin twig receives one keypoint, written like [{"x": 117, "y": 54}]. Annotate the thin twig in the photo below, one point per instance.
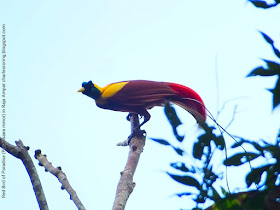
[
  {"x": 232, "y": 119},
  {"x": 61, "y": 176},
  {"x": 21, "y": 152},
  {"x": 126, "y": 184},
  {"x": 226, "y": 103}
]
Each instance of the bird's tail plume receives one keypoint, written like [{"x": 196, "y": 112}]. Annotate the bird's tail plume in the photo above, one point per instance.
[{"x": 189, "y": 100}]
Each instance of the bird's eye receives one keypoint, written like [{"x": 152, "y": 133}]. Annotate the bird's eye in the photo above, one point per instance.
[{"x": 90, "y": 84}]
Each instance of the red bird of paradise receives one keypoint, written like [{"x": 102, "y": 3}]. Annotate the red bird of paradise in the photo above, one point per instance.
[{"x": 137, "y": 96}]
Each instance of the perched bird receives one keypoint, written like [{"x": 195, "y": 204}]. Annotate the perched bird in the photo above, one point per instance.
[{"x": 136, "y": 96}]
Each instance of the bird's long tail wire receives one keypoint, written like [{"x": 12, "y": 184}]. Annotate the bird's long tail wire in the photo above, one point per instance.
[{"x": 209, "y": 114}]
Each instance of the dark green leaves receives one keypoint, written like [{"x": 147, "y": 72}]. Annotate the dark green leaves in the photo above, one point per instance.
[
  {"x": 173, "y": 120},
  {"x": 198, "y": 150},
  {"x": 204, "y": 141},
  {"x": 266, "y": 150},
  {"x": 183, "y": 194},
  {"x": 255, "y": 175},
  {"x": 267, "y": 38},
  {"x": 271, "y": 42},
  {"x": 240, "y": 158},
  {"x": 186, "y": 180},
  {"x": 276, "y": 94},
  {"x": 260, "y": 4},
  {"x": 255, "y": 144},
  {"x": 179, "y": 151},
  {"x": 263, "y": 4},
  {"x": 261, "y": 71},
  {"x": 220, "y": 142},
  {"x": 272, "y": 69},
  {"x": 161, "y": 141},
  {"x": 273, "y": 66},
  {"x": 182, "y": 167},
  {"x": 166, "y": 143}
]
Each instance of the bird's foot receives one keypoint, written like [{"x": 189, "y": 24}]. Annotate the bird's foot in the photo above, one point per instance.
[
  {"x": 136, "y": 132},
  {"x": 129, "y": 116}
]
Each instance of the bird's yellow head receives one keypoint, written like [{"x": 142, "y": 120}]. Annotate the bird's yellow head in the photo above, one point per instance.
[{"x": 90, "y": 89}]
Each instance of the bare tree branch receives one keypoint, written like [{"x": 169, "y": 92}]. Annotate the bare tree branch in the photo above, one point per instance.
[
  {"x": 21, "y": 152},
  {"x": 126, "y": 184},
  {"x": 61, "y": 176}
]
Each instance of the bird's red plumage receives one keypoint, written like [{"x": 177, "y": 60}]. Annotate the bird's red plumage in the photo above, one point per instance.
[{"x": 189, "y": 100}]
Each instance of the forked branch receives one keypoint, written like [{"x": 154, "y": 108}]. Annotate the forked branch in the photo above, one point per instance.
[{"x": 21, "y": 152}]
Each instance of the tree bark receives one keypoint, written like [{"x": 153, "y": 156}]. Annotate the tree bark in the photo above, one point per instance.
[
  {"x": 126, "y": 184},
  {"x": 61, "y": 176},
  {"x": 21, "y": 152}
]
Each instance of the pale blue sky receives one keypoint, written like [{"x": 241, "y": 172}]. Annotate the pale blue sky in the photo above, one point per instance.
[{"x": 52, "y": 47}]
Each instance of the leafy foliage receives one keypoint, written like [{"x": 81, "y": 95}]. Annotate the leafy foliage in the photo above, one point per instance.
[
  {"x": 204, "y": 141},
  {"x": 272, "y": 69},
  {"x": 173, "y": 120},
  {"x": 200, "y": 179},
  {"x": 236, "y": 160},
  {"x": 263, "y": 4},
  {"x": 186, "y": 180},
  {"x": 166, "y": 143},
  {"x": 182, "y": 167},
  {"x": 188, "y": 175}
]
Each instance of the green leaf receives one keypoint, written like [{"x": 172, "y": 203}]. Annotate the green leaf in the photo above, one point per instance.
[
  {"x": 260, "y": 4},
  {"x": 261, "y": 71},
  {"x": 258, "y": 147},
  {"x": 267, "y": 38},
  {"x": 173, "y": 120},
  {"x": 205, "y": 139},
  {"x": 224, "y": 191},
  {"x": 272, "y": 66},
  {"x": 184, "y": 194},
  {"x": 172, "y": 115},
  {"x": 271, "y": 177},
  {"x": 215, "y": 195},
  {"x": 236, "y": 160},
  {"x": 276, "y": 94},
  {"x": 161, "y": 141},
  {"x": 220, "y": 142},
  {"x": 186, "y": 180},
  {"x": 273, "y": 149},
  {"x": 209, "y": 176},
  {"x": 255, "y": 175},
  {"x": 197, "y": 150},
  {"x": 179, "y": 151},
  {"x": 271, "y": 42},
  {"x": 276, "y": 51},
  {"x": 200, "y": 199},
  {"x": 180, "y": 166},
  {"x": 238, "y": 144},
  {"x": 255, "y": 144}
]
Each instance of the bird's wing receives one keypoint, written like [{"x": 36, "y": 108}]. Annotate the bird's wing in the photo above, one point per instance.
[
  {"x": 141, "y": 93},
  {"x": 138, "y": 95}
]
